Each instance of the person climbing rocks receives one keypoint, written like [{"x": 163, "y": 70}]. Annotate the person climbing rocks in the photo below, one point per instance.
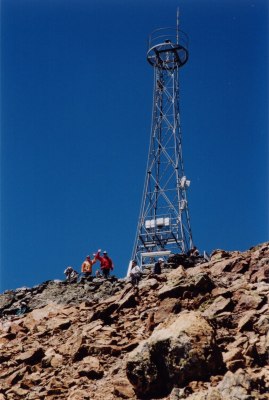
[
  {"x": 106, "y": 264},
  {"x": 86, "y": 267},
  {"x": 157, "y": 268},
  {"x": 71, "y": 275},
  {"x": 135, "y": 273}
]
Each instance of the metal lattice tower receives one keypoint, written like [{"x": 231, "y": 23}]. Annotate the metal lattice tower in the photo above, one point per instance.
[{"x": 164, "y": 223}]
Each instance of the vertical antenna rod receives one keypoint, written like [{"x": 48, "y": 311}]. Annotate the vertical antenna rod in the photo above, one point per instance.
[{"x": 178, "y": 25}]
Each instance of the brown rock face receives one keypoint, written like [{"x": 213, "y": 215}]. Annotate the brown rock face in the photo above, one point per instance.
[
  {"x": 198, "y": 332},
  {"x": 177, "y": 352}
]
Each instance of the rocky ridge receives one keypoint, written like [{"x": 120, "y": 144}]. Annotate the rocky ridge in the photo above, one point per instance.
[{"x": 195, "y": 332}]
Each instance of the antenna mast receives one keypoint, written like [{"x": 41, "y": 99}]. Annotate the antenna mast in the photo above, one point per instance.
[
  {"x": 178, "y": 25},
  {"x": 164, "y": 222}
]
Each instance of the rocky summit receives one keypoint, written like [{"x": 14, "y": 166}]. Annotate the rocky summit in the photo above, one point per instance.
[{"x": 198, "y": 331}]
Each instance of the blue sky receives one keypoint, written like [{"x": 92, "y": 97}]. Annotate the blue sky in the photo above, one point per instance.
[{"x": 76, "y": 100}]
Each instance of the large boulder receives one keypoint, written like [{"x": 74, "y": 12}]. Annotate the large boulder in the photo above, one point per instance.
[{"x": 179, "y": 351}]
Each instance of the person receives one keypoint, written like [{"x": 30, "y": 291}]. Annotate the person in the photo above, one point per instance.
[
  {"x": 86, "y": 267},
  {"x": 135, "y": 273},
  {"x": 157, "y": 268},
  {"x": 106, "y": 264},
  {"x": 193, "y": 252},
  {"x": 98, "y": 274},
  {"x": 71, "y": 275},
  {"x": 24, "y": 308}
]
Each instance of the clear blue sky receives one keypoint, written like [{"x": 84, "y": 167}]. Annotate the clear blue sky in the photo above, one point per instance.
[{"x": 76, "y": 100}]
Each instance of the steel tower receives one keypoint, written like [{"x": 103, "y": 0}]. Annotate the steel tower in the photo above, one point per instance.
[{"x": 164, "y": 223}]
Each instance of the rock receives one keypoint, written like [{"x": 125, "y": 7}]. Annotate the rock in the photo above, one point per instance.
[
  {"x": 77, "y": 394},
  {"x": 262, "y": 347},
  {"x": 202, "y": 283},
  {"x": 90, "y": 368},
  {"x": 128, "y": 301},
  {"x": 236, "y": 385},
  {"x": 166, "y": 307},
  {"x": 218, "y": 254},
  {"x": 262, "y": 325},
  {"x": 17, "y": 391},
  {"x": 31, "y": 357},
  {"x": 78, "y": 341},
  {"x": 72, "y": 347},
  {"x": 246, "y": 322},
  {"x": 123, "y": 389},
  {"x": 56, "y": 360},
  {"x": 219, "y": 305},
  {"x": 175, "y": 353},
  {"x": 145, "y": 285},
  {"x": 174, "y": 288},
  {"x": 241, "y": 266},
  {"x": 16, "y": 376},
  {"x": 58, "y": 323},
  {"x": 246, "y": 301},
  {"x": 234, "y": 359},
  {"x": 219, "y": 267},
  {"x": 220, "y": 291}
]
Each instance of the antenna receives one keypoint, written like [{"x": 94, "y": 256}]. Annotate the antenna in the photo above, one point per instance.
[
  {"x": 164, "y": 223},
  {"x": 178, "y": 25}
]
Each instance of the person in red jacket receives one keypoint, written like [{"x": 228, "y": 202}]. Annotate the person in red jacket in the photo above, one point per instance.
[{"x": 106, "y": 263}]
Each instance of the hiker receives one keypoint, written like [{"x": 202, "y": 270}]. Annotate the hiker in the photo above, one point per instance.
[
  {"x": 71, "y": 275},
  {"x": 193, "y": 252},
  {"x": 106, "y": 263},
  {"x": 135, "y": 273},
  {"x": 24, "y": 308},
  {"x": 157, "y": 268},
  {"x": 86, "y": 267}
]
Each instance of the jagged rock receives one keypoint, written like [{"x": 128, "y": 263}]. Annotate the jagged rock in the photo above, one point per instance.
[
  {"x": 219, "y": 305},
  {"x": 31, "y": 357},
  {"x": 262, "y": 325},
  {"x": 219, "y": 267},
  {"x": 77, "y": 394},
  {"x": 211, "y": 394},
  {"x": 58, "y": 323},
  {"x": 218, "y": 254},
  {"x": 75, "y": 340},
  {"x": 72, "y": 347},
  {"x": 16, "y": 391},
  {"x": 123, "y": 389},
  {"x": 246, "y": 301},
  {"x": 16, "y": 376},
  {"x": 174, "y": 288},
  {"x": 128, "y": 301},
  {"x": 240, "y": 266},
  {"x": 146, "y": 285},
  {"x": 262, "y": 347},
  {"x": 166, "y": 307},
  {"x": 246, "y": 322},
  {"x": 220, "y": 291},
  {"x": 238, "y": 385},
  {"x": 176, "y": 353},
  {"x": 52, "y": 359},
  {"x": 234, "y": 359},
  {"x": 91, "y": 368},
  {"x": 202, "y": 283}
]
